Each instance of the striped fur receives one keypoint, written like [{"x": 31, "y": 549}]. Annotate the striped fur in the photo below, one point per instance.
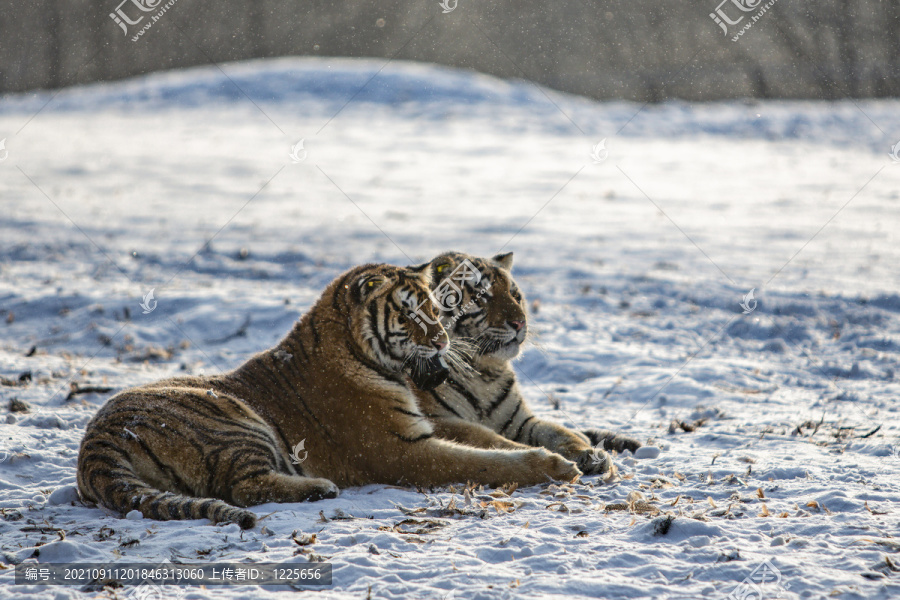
[
  {"x": 480, "y": 403},
  {"x": 340, "y": 382}
]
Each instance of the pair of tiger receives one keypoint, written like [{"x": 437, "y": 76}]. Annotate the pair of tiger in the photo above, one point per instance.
[{"x": 368, "y": 381}]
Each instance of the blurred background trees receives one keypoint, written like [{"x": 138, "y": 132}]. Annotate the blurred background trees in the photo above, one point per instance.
[{"x": 642, "y": 50}]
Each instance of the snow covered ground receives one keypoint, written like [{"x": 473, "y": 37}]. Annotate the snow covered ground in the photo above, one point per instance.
[{"x": 636, "y": 265}]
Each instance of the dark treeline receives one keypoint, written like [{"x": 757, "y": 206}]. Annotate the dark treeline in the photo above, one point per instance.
[{"x": 642, "y": 50}]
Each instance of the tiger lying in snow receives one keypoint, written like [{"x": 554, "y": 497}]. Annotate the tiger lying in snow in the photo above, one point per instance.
[
  {"x": 480, "y": 402},
  {"x": 199, "y": 447}
]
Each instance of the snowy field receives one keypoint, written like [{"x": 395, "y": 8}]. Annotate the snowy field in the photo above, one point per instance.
[{"x": 778, "y": 428}]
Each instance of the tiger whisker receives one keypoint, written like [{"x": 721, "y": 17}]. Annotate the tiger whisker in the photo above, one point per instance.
[{"x": 459, "y": 361}]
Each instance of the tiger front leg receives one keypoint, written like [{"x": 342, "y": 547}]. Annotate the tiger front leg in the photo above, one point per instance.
[
  {"x": 473, "y": 434},
  {"x": 573, "y": 445},
  {"x": 433, "y": 461}
]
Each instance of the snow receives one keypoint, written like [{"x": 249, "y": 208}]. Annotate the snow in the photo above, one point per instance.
[{"x": 182, "y": 183}]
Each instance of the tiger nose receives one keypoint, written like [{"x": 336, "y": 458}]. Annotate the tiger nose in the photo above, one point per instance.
[
  {"x": 517, "y": 325},
  {"x": 440, "y": 345}
]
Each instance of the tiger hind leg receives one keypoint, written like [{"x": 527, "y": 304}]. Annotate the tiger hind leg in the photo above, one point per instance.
[{"x": 113, "y": 484}]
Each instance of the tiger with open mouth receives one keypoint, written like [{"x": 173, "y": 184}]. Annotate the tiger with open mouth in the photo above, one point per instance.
[{"x": 339, "y": 388}]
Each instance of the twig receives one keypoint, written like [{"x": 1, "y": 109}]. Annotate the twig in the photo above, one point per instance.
[
  {"x": 88, "y": 389},
  {"x": 870, "y": 433}
]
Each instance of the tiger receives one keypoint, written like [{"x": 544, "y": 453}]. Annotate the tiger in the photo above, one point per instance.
[
  {"x": 480, "y": 402},
  {"x": 330, "y": 406}
]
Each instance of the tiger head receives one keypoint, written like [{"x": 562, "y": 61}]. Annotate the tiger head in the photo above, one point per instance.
[
  {"x": 395, "y": 324},
  {"x": 481, "y": 305}
]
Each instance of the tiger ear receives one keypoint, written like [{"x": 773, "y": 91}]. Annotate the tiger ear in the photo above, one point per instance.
[
  {"x": 504, "y": 260},
  {"x": 423, "y": 271}
]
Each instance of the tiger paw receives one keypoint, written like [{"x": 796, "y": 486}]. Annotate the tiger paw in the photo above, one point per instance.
[
  {"x": 611, "y": 441},
  {"x": 594, "y": 461},
  {"x": 554, "y": 466},
  {"x": 322, "y": 489}
]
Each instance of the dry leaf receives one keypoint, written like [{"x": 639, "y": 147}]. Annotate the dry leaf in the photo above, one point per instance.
[
  {"x": 410, "y": 511},
  {"x": 874, "y": 512},
  {"x": 305, "y": 539},
  {"x": 760, "y": 493},
  {"x": 633, "y": 497},
  {"x": 562, "y": 507},
  {"x": 418, "y": 526},
  {"x": 642, "y": 507},
  {"x": 611, "y": 475},
  {"x": 765, "y": 511}
]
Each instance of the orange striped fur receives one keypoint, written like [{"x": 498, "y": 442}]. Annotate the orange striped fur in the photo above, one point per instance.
[{"x": 341, "y": 382}]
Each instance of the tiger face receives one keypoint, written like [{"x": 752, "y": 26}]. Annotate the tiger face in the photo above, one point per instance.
[
  {"x": 481, "y": 304},
  {"x": 395, "y": 324}
]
